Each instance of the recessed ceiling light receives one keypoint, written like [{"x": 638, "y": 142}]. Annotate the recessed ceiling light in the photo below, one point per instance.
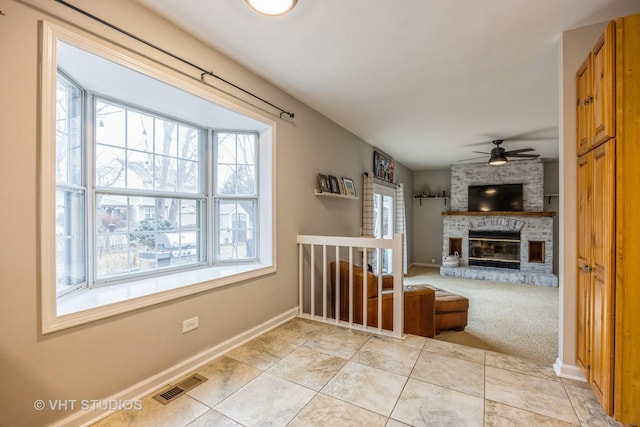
[{"x": 272, "y": 7}]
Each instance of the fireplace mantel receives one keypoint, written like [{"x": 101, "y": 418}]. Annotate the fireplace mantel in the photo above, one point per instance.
[{"x": 509, "y": 213}]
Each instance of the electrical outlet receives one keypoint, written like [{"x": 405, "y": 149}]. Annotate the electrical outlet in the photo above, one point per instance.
[{"x": 189, "y": 324}]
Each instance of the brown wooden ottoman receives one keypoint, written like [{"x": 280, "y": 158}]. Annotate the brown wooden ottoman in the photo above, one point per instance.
[{"x": 451, "y": 310}]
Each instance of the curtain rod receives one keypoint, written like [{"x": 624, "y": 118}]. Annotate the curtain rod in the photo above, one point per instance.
[{"x": 172, "y": 55}]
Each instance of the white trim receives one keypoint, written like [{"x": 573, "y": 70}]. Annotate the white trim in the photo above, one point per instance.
[
  {"x": 424, "y": 264},
  {"x": 88, "y": 305},
  {"x": 177, "y": 371},
  {"x": 571, "y": 372},
  {"x": 55, "y": 318}
]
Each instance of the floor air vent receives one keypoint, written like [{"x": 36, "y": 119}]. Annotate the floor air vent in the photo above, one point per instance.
[{"x": 171, "y": 393}]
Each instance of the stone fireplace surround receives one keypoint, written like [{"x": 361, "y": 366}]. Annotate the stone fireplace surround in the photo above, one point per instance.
[{"x": 533, "y": 224}]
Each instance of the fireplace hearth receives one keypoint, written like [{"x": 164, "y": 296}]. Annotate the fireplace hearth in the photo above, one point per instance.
[{"x": 494, "y": 248}]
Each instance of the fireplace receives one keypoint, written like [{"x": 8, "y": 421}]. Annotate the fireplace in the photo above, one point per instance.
[
  {"x": 494, "y": 248},
  {"x": 509, "y": 246}
]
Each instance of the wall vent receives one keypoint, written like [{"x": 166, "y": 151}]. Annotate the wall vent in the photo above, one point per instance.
[{"x": 173, "y": 392}]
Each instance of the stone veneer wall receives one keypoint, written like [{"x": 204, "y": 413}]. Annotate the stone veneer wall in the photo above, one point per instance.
[
  {"x": 530, "y": 173},
  {"x": 530, "y": 228}
]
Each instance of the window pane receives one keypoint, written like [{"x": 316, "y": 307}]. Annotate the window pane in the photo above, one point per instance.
[
  {"x": 236, "y": 221},
  {"x": 68, "y": 132},
  {"x": 226, "y": 179},
  {"x": 166, "y": 138},
  {"x": 226, "y": 153},
  {"x": 70, "y": 240},
  {"x": 150, "y": 156},
  {"x": 110, "y": 163},
  {"x": 139, "y": 170},
  {"x": 246, "y": 148},
  {"x": 188, "y": 140},
  {"x": 246, "y": 180},
  {"x": 139, "y": 131},
  {"x": 166, "y": 173},
  {"x": 235, "y": 164},
  {"x": 110, "y": 124},
  {"x": 144, "y": 234},
  {"x": 188, "y": 176}
]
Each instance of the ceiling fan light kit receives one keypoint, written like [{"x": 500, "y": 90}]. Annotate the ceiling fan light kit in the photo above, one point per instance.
[
  {"x": 497, "y": 160},
  {"x": 272, "y": 7}
]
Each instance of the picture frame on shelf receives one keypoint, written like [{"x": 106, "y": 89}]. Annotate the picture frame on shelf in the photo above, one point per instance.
[
  {"x": 323, "y": 181},
  {"x": 349, "y": 186},
  {"x": 341, "y": 185},
  {"x": 383, "y": 166},
  {"x": 334, "y": 187}
]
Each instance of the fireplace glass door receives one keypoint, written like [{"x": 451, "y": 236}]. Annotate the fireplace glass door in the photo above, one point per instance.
[{"x": 494, "y": 249}]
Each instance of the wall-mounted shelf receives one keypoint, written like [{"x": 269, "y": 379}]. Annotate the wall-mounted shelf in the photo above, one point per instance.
[
  {"x": 431, "y": 198},
  {"x": 341, "y": 196}
]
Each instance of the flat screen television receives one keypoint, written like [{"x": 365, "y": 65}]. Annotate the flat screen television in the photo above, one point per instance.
[{"x": 498, "y": 197}]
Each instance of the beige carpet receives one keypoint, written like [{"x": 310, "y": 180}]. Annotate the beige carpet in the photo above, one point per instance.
[{"x": 515, "y": 319}]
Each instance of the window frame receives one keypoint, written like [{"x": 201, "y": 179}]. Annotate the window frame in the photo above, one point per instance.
[
  {"x": 201, "y": 196},
  {"x": 90, "y": 304}
]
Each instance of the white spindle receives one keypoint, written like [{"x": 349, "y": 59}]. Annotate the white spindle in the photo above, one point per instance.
[{"x": 324, "y": 282}]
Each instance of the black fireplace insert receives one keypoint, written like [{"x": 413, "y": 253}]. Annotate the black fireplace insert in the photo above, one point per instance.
[{"x": 494, "y": 249}]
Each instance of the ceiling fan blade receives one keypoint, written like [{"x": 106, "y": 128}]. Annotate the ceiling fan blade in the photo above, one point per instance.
[
  {"x": 524, "y": 156},
  {"x": 481, "y": 152},
  {"x": 473, "y": 158},
  {"x": 521, "y": 150}
]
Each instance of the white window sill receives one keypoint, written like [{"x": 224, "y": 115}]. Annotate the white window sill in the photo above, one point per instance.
[{"x": 92, "y": 304}]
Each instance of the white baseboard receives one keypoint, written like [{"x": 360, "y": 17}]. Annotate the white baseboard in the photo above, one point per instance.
[
  {"x": 424, "y": 264},
  {"x": 571, "y": 372},
  {"x": 174, "y": 373}
]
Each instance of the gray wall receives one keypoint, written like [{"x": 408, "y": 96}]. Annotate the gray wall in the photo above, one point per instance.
[
  {"x": 427, "y": 214},
  {"x": 552, "y": 204},
  {"x": 96, "y": 360}
]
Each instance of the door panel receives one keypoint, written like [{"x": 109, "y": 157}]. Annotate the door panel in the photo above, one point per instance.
[
  {"x": 583, "y": 110},
  {"x": 583, "y": 275},
  {"x": 603, "y": 77},
  {"x": 603, "y": 203}
]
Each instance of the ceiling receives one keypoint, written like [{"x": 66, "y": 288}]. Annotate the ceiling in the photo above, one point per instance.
[{"x": 427, "y": 82}]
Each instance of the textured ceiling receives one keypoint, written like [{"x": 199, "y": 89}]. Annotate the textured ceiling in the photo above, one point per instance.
[{"x": 426, "y": 82}]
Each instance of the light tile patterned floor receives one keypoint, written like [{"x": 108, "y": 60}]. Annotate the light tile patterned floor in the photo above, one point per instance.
[{"x": 305, "y": 373}]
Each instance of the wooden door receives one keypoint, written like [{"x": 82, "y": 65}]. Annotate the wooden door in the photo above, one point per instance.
[
  {"x": 601, "y": 265},
  {"x": 603, "y": 87},
  {"x": 583, "y": 274},
  {"x": 583, "y": 110}
]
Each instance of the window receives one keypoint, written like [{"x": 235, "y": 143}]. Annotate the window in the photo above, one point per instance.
[
  {"x": 149, "y": 164},
  {"x": 384, "y": 207},
  {"x": 153, "y": 193},
  {"x": 236, "y": 196},
  {"x": 70, "y": 190}
]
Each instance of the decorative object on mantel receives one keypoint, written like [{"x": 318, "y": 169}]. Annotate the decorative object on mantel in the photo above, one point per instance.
[
  {"x": 425, "y": 193},
  {"x": 382, "y": 166}
]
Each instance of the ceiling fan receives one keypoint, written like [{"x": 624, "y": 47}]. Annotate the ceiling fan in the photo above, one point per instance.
[{"x": 499, "y": 156}]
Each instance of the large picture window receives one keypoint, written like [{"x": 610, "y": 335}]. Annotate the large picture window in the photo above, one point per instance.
[{"x": 153, "y": 193}]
